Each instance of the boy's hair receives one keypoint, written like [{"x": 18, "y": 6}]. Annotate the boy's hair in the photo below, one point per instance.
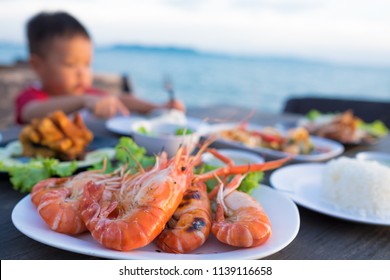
[{"x": 44, "y": 27}]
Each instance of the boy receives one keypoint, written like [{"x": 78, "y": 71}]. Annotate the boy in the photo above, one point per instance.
[{"x": 60, "y": 53}]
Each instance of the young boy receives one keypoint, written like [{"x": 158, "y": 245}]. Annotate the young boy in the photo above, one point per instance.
[{"x": 60, "y": 53}]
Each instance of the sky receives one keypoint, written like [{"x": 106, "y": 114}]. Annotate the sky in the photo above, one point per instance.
[{"x": 347, "y": 31}]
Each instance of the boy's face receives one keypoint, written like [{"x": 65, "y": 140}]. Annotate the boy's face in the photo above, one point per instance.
[{"x": 65, "y": 67}]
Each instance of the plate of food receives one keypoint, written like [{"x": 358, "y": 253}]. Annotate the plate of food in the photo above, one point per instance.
[
  {"x": 274, "y": 142},
  {"x": 56, "y": 137},
  {"x": 127, "y": 125},
  {"x": 344, "y": 127},
  {"x": 281, "y": 210},
  {"x": 158, "y": 135},
  {"x": 239, "y": 157},
  {"x": 345, "y": 188},
  {"x": 122, "y": 125},
  {"x": 12, "y": 156},
  {"x": 56, "y": 145}
]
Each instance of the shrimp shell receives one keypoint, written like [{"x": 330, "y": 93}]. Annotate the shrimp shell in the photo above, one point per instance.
[
  {"x": 58, "y": 201},
  {"x": 44, "y": 186},
  {"x": 239, "y": 219},
  {"x": 134, "y": 216},
  {"x": 190, "y": 225}
]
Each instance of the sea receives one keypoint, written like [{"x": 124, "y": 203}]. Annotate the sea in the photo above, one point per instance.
[{"x": 261, "y": 83}]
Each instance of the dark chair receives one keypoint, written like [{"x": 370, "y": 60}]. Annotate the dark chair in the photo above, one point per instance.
[{"x": 367, "y": 110}]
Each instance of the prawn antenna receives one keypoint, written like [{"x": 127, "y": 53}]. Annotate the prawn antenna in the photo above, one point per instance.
[{"x": 134, "y": 158}]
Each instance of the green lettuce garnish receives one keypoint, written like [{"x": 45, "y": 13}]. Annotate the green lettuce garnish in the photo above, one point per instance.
[
  {"x": 24, "y": 176},
  {"x": 183, "y": 131},
  {"x": 250, "y": 182},
  {"x": 127, "y": 152},
  {"x": 313, "y": 115},
  {"x": 142, "y": 130},
  {"x": 376, "y": 128}
]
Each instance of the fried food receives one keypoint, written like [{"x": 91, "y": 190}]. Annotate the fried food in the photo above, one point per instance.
[{"x": 56, "y": 136}]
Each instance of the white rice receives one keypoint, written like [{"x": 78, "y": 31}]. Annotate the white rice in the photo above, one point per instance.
[{"x": 360, "y": 187}]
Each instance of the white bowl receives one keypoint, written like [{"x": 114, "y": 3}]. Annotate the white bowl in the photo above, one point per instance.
[
  {"x": 239, "y": 157},
  {"x": 161, "y": 136},
  {"x": 383, "y": 158}
]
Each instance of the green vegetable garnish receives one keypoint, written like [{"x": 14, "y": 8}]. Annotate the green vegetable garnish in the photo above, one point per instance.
[
  {"x": 313, "y": 114},
  {"x": 250, "y": 182},
  {"x": 23, "y": 177},
  {"x": 127, "y": 152},
  {"x": 183, "y": 131},
  {"x": 376, "y": 128},
  {"x": 142, "y": 130}
]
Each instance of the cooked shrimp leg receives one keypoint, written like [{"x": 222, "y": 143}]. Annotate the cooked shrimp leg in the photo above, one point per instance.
[{"x": 241, "y": 169}]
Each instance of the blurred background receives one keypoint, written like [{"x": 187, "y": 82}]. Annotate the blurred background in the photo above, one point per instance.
[{"x": 254, "y": 53}]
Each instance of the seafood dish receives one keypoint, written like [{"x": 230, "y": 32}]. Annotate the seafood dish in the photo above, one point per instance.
[
  {"x": 344, "y": 127},
  {"x": 56, "y": 136},
  {"x": 295, "y": 141},
  {"x": 275, "y": 142},
  {"x": 166, "y": 203}
]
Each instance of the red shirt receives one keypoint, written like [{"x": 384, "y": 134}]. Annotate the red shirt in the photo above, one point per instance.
[{"x": 33, "y": 93}]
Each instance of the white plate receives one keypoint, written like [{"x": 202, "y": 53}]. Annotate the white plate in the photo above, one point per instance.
[
  {"x": 330, "y": 148},
  {"x": 123, "y": 124},
  {"x": 382, "y": 158},
  {"x": 303, "y": 183},
  {"x": 282, "y": 212},
  {"x": 9, "y": 154},
  {"x": 238, "y": 157}
]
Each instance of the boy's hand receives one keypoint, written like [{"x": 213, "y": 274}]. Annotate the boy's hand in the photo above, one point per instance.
[
  {"x": 105, "y": 107},
  {"x": 175, "y": 104}
]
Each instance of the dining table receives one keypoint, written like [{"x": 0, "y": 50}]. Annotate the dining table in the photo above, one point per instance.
[{"x": 320, "y": 236}]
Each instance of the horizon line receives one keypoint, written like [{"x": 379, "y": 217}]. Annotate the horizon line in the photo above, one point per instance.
[{"x": 172, "y": 48}]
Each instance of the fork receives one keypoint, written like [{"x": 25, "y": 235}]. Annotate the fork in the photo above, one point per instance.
[{"x": 168, "y": 86}]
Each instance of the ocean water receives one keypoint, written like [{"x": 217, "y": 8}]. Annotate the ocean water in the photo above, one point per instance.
[{"x": 260, "y": 83}]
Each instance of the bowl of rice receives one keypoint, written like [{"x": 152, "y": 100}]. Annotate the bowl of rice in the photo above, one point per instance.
[{"x": 359, "y": 187}]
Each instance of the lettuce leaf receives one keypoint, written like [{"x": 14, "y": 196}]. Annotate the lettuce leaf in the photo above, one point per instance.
[
  {"x": 376, "y": 128},
  {"x": 313, "y": 114},
  {"x": 127, "y": 152},
  {"x": 24, "y": 176},
  {"x": 250, "y": 182}
]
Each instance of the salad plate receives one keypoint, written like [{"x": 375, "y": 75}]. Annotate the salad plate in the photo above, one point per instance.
[{"x": 281, "y": 210}]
